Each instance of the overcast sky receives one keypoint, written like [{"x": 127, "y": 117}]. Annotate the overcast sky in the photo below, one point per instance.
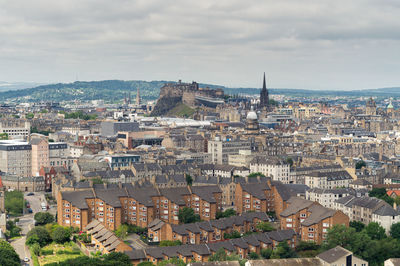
[{"x": 321, "y": 44}]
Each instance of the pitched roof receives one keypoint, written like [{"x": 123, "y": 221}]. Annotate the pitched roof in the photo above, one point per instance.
[
  {"x": 333, "y": 254},
  {"x": 295, "y": 205}
]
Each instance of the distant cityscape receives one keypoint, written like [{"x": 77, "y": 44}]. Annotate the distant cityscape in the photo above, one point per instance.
[{"x": 199, "y": 173}]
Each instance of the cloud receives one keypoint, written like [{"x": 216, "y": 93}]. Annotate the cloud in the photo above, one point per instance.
[{"x": 307, "y": 44}]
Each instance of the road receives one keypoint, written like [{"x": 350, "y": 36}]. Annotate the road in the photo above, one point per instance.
[{"x": 27, "y": 222}]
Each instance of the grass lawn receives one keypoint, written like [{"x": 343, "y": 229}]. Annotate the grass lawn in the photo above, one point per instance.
[{"x": 58, "y": 253}]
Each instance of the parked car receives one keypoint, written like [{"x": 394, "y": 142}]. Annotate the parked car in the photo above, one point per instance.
[
  {"x": 30, "y": 194},
  {"x": 30, "y": 210},
  {"x": 26, "y": 259}
]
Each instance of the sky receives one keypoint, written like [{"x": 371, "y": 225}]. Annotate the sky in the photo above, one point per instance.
[{"x": 321, "y": 44}]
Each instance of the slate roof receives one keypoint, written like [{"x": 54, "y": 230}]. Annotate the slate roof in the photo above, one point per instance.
[
  {"x": 256, "y": 189},
  {"x": 386, "y": 210},
  {"x": 295, "y": 205},
  {"x": 333, "y": 254},
  {"x": 332, "y": 176},
  {"x": 78, "y": 198},
  {"x": 206, "y": 192}
]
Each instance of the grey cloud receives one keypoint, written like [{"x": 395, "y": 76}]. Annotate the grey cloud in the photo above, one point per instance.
[{"x": 228, "y": 42}]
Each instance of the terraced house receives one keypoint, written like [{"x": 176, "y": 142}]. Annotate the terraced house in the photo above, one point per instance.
[
  {"x": 205, "y": 231},
  {"x": 201, "y": 252},
  {"x": 115, "y": 204}
]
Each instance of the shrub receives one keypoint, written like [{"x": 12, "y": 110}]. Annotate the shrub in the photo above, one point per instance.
[
  {"x": 38, "y": 235},
  {"x": 61, "y": 235}
]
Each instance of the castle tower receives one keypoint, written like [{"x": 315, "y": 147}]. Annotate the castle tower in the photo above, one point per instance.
[
  {"x": 264, "y": 97},
  {"x": 370, "y": 107},
  {"x": 138, "y": 97}
]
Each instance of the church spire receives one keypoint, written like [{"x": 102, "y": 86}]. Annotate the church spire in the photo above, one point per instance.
[
  {"x": 264, "y": 83},
  {"x": 264, "y": 97}
]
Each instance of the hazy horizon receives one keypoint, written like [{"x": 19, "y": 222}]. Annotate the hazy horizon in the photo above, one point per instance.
[{"x": 335, "y": 45}]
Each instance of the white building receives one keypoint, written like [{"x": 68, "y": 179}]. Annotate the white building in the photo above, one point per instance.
[
  {"x": 221, "y": 149},
  {"x": 368, "y": 209},
  {"x": 337, "y": 179},
  {"x": 15, "y": 129},
  {"x": 273, "y": 167},
  {"x": 326, "y": 197}
]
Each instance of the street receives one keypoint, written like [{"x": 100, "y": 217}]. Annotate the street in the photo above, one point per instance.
[{"x": 27, "y": 222}]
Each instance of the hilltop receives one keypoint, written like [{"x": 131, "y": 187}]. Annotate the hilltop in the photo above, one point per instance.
[{"x": 113, "y": 91}]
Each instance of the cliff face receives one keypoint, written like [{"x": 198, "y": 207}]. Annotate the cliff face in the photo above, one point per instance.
[{"x": 172, "y": 95}]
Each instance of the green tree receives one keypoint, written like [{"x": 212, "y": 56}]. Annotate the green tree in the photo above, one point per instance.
[
  {"x": 360, "y": 164},
  {"x": 170, "y": 243},
  {"x": 61, "y": 235},
  {"x": 43, "y": 218},
  {"x": 3, "y": 136},
  {"x": 232, "y": 235},
  {"x": 14, "y": 202},
  {"x": 29, "y": 115},
  {"x": 289, "y": 161},
  {"x": 375, "y": 231},
  {"x": 220, "y": 255},
  {"x": 187, "y": 215},
  {"x": 359, "y": 226},
  {"x": 254, "y": 256},
  {"x": 395, "y": 231},
  {"x": 36, "y": 249},
  {"x": 256, "y": 174},
  {"x": 122, "y": 231},
  {"x": 266, "y": 253},
  {"x": 283, "y": 251},
  {"x": 189, "y": 179},
  {"x": 173, "y": 261},
  {"x": 8, "y": 256},
  {"x": 265, "y": 227},
  {"x": 43, "y": 237},
  {"x": 226, "y": 213},
  {"x": 117, "y": 257}
]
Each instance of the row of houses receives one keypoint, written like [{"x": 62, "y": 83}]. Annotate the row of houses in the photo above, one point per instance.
[
  {"x": 205, "y": 231},
  {"x": 201, "y": 252}
]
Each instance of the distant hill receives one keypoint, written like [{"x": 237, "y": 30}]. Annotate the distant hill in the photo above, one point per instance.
[{"x": 114, "y": 90}]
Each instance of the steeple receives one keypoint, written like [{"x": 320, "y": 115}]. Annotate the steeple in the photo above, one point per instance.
[
  {"x": 264, "y": 83},
  {"x": 264, "y": 97}
]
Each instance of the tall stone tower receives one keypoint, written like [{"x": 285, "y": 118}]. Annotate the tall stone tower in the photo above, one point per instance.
[
  {"x": 264, "y": 97},
  {"x": 370, "y": 107},
  {"x": 138, "y": 96}
]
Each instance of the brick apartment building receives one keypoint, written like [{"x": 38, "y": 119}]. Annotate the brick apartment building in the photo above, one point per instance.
[
  {"x": 269, "y": 196},
  {"x": 113, "y": 205},
  {"x": 205, "y": 231},
  {"x": 310, "y": 219}
]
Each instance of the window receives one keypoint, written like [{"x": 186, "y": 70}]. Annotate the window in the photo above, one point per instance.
[{"x": 288, "y": 219}]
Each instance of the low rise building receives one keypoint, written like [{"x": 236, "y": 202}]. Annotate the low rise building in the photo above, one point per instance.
[
  {"x": 201, "y": 252},
  {"x": 105, "y": 240},
  {"x": 206, "y": 231},
  {"x": 310, "y": 219},
  {"x": 328, "y": 180},
  {"x": 368, "y": 209}
]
